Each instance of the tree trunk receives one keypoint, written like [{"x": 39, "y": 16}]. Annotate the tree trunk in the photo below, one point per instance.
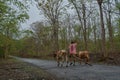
[
  {"x": 103, "y": 43},
  {"x": 95, "y": 36},
  {"x": 84, "y": 30},
  {"x": 55, "y": 37},
  {"x": 110, "y": 29},
  {"x": 83, "y": 23}
]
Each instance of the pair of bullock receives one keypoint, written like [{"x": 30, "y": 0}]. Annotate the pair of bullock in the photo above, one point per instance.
[{"x": 62, "y": 56}]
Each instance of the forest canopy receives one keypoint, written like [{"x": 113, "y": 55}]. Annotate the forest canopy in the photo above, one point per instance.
[{"x": 94, "y": 24}]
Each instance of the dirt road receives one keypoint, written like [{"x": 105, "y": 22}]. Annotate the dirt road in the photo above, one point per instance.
[{"x": 78, "y": 72}]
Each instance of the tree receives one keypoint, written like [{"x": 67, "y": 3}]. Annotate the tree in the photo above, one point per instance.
[
  {"x": 42, "y": 36},
  {"x": 12, "y": 13},
  {"x": 108, "y": 13},
  {"x": 83, "y": 14},
  {"x": 52, "y": 10},
  {"x": 103, "y": 43}
]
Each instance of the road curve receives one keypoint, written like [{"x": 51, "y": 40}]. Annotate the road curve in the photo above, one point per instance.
[{"x": 78, "y": 72}]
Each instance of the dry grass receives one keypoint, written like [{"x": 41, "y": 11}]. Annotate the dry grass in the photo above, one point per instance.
[{"x": 11, "y": 69}]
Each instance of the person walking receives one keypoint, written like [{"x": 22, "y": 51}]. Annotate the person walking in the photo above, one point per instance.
[{"x": 72, "y": 52}]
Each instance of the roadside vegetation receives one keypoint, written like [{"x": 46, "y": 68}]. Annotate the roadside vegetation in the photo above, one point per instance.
[
  {"x": 12, "y": 69},
  {"x": 94, "y": 24}
]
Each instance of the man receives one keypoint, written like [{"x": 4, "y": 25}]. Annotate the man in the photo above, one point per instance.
[{"x": 72, "y": 52}]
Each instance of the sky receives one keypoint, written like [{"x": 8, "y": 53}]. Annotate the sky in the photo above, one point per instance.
[{"x": 34, "y": 15}]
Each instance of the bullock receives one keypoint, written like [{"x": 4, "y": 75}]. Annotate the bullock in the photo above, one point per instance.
[
  {"x": 84, "y": 55},
  {"x": 61, "y": 57}
]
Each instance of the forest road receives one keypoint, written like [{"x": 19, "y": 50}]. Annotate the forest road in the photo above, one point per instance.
[{"x": 78, "y": 72}]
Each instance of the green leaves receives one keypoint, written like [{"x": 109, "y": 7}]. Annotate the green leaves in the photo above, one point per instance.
[
  {"x": 12, "y": 13},
  {"x": 22, "y": 17},
  {"x": 118, "y": 5}
]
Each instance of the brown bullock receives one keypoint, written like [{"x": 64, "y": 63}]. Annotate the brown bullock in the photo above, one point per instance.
[
  {"x": 84, "y": 55},
  {"x": 61, "y": 57}
]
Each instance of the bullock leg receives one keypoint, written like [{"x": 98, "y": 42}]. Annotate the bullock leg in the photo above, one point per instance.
[
  {"x": 66, "y": 61},
  {"x": 58, "y": 61},
  {"x": 62, "y": 61},
  {"x": 80, "y": 60},
  {"x": 87, "y": 61}
]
